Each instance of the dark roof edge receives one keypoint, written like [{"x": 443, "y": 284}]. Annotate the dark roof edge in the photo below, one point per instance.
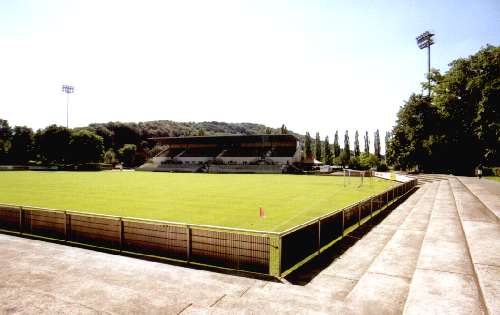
[{"x": 226, "y": 136}]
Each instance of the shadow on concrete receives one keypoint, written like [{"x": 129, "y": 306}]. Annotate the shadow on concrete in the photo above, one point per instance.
[{"x": 312, "y": 268}]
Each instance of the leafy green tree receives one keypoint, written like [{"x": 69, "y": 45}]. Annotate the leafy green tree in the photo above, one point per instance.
[
  {"x": 127, "y": 154},
  {"x": 328, "y": 159},
  {"x": 110, "y": 157},
  {"x": 268, "y": 131},
  {"x": 52, "y": 144},
  {"x": 86, "y": 147},
  {"x": 283, "y": 130},
  {"x": 126, "y": 134},
  {"x": 346, "y": 153},
  {"x": 5, "y": 140},
  {"x": 336, "y": 145},
  {"x": 23, "y": 139},
  {"x": 308, "y": 146},
  {"x": 357, "y": 151},
  {"x": 376, "y": 144},
  {"x": 201, "y": 132},
  {"x": 387, "y": 141},
  {"x": 367, "y": 143},
  {"x": 317, "y": 147},
  {"x": 459, "y": 127}
]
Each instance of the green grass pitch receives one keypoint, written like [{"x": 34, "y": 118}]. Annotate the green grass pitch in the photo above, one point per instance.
[{"x": 230, "y": 200}]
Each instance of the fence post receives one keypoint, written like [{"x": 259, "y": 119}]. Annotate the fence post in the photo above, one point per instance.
[
  {"x": 188, "y": 244},
  {"x": 359, "y": 214},
  {"x": 319, "y": 236},
  {"x": 65, "y": 226},
  {"x": 21, "y": 220},
  {"x": 343, "y": 223},
  {"x": 371, "y": 207},
  {"x": 121, "y": 233}
]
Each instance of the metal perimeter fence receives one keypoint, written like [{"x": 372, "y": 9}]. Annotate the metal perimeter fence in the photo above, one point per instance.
[{"x": 272, "y": 253}]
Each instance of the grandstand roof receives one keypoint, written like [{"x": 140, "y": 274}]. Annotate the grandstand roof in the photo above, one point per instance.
[{"x": 225, "y": 139}]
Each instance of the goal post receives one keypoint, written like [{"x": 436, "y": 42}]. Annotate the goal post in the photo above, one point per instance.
[{"x": 348, "y": 174}]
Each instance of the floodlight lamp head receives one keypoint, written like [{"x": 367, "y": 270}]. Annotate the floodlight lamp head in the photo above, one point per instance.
[
  {"x": 425, "y": 40},
  {"x": 68, "y": 89}
]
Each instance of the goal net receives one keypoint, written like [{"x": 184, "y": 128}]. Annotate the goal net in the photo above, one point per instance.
[{"x": 358, "y": 177}]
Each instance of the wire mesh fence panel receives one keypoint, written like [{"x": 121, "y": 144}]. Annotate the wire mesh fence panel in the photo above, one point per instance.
[
  {"x": 155, "y": 239},
  {"x": 330, "y": 228},
  {"x": 230, "y": 250},
  {"x": 9, "y": 217},
  {"x": 298, "y": 245},
  {"x": 350, "y": 217},
  {"x": 97, "y": 231},
  {"x": 44, "y": 223},
  {"x": 365, "y": 208}
]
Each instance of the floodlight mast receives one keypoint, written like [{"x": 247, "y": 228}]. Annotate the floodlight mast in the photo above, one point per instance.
[
  {"x": 425, "y": 40},
  {"x": 67, "y": 89}
]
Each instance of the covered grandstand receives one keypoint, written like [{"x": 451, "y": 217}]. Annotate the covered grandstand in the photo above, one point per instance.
[{"x": 225, "y": 154}]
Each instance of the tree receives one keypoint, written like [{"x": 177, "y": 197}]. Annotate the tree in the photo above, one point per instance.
[
  {"x": 346, "y": 153},
  {"x": 387, "y": 141},
  {"x": 126, "y": 134},
  {"x": 86, "y": 147},
  {"x": 376, "y": 144},
  {"x": 52, "y": 144},
  {"x": 127, "y": 154},
  {"x": 22, "y": 145},
  {"x": 336, "y": 146},
  {"x": 357, "y": 151},
  {"x": 459, "y": 126},
  {"x": 307, "y": 146},
  {"x": 268, "y": 131},
  {"x": 367, "y": 143},
  {"x": 317, "y": 147},
  {"x": 110, "y": 157},
  {"x": 201, "y": 132},
  {"x": 284, "y": 131},
  {"x": 328, "y": 159},
  {"x": 5, "y": 140}
]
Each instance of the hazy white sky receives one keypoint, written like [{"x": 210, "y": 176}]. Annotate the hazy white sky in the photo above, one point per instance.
[{"x": 313, "y": 65}]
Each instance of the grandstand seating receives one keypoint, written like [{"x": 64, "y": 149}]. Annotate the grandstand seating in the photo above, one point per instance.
[
  {"x": 282, "y": 151},
  {"x": 201, "y": 152},
  {"x": 246, "y": 152},
  {"x": 173, "y": 152},
  {"x": 238, "y": 153},
  {"x": 245, "y": 168},
  {"x": 179, "y": 167}
]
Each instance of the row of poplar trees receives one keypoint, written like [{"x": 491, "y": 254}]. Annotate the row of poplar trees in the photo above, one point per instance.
[{"x": 334, "y": 155}]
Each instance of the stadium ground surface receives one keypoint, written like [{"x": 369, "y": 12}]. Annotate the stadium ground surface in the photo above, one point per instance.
[
  {"x": 230, "y": 200},
  {"x": 495, "y": 178}
]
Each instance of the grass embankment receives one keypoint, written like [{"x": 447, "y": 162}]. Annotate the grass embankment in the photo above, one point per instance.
[{"x": 231, "y": 200}]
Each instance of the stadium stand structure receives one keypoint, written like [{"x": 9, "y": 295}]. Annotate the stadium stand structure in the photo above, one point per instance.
[{"x": 225, "y": 154}]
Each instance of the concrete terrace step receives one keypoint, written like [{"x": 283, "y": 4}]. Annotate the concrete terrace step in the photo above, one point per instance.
[
  {"x": 343, "y": 274},
  {"x": 443, "y": 280},
  {"x": 487, "y": 191},
  {"x": 482, "y": 235},
  {"x": 268, "y": 304},
  {"x": 383, "y": 288}
]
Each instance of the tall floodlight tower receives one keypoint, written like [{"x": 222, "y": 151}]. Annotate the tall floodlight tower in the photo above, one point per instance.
[
  {"x": 425, "y": 40},
  {"x": 67, "y": 89}
]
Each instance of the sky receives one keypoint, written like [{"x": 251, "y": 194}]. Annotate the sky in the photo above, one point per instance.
[{"x": 316, "y": 66}]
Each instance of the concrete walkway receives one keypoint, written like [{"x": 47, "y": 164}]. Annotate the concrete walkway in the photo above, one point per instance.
[{"x": 437, "y": 253}]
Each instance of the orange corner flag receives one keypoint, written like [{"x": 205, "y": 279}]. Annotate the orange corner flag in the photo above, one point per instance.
[{"x": 262, "y": 213}]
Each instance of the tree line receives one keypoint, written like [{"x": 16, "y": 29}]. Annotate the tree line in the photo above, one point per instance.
[
  {"x": 332, "y": 154},
  {"x": 112, "y": 142},
  {"x": 457, "y": 128}
]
